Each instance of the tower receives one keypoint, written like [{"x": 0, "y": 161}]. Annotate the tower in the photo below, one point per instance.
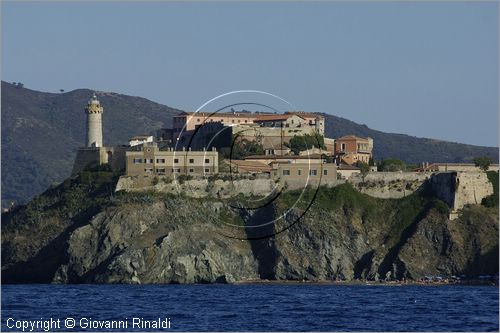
[{"x": 94, "y": 122}]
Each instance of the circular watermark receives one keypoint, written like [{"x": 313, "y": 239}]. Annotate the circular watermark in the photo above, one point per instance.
[{"x": 267, "y": 175}]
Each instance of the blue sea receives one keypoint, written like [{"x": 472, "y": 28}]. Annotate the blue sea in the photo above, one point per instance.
[{"x": 269, "y": 307}]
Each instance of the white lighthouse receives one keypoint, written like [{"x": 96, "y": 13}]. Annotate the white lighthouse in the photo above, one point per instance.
[{"x": 94, "y": 122}]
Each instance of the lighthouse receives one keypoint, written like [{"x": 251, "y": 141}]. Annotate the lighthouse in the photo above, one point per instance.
[{"x": 94, "y": 122}]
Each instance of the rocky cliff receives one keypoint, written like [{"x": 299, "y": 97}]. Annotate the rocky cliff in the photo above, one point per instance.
[{"x": 82, "y": 232}]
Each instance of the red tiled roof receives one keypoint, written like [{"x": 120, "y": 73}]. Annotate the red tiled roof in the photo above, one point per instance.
[
  {"x": 220, "y": 114},
  {"x": 347, "y": 167},
  {"x": 304, "y": 114},
  {"x": 351, "y": 137},
  {"x": 272, "y": 117}
]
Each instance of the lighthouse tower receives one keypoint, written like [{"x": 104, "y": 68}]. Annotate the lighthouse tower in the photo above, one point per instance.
[{"x": 94, "y": 122}]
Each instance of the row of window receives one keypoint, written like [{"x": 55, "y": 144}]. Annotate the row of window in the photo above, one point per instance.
[
  {"x": 222, "y": 120},
  {"x": 173, "y": 170},
  {"x": 312, "y": 172},
  {"x": 162, "y": 160}
]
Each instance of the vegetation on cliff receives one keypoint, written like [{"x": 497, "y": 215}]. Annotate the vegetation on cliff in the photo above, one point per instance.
[{"x": 492, "y": 200}]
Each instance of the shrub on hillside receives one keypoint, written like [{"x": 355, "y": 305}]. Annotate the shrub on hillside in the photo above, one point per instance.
[
  {"x": 392, "y": 164},
  {"x": 304, "y": 142}
]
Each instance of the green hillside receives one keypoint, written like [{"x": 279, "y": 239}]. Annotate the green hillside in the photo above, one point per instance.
[
  {"x": 408, "y": 148},
  {"x": 41, "y": 131}
]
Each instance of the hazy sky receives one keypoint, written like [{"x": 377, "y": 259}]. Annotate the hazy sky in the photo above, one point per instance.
[{"x": 424, "y": 69}]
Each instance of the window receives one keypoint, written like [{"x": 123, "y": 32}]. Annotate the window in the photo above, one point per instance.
[
  {"x": 176, "y": 170},
  {"x": 162, "y": 170},
  {"x": 342, "y": 146},
  {"x": 137, "y": 160},
  {"x": 245, "y": 121},
  {"x": 160, "y": 160},
  {"x": 207, "y": 170},
  {"x": 198, "y": 120},
  {"x": 148, "y": 170},
  {"x": 191, "y": 160},
  {"x": 325, "y": 172},
  {"x": 191, "y": 170},
  {"x": 313, "y": 172},
  {"x": 207, "y": 160},
  {"x": 176, "y": 160},
  {"x": 148, "y": 160},
  {"x": 299, "y": 172}
]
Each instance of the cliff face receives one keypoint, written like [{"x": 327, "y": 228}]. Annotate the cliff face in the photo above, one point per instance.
[{"x": 79, "y": 232}]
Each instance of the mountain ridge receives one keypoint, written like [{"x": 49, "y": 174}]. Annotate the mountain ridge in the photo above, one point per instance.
[{"x": 42, "y": 130}]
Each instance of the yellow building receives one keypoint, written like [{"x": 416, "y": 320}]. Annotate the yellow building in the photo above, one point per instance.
[{"x": 150, "y": 160}]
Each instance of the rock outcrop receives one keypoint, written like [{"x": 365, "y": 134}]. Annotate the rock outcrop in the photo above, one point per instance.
[{"x": 83, "y": 233}]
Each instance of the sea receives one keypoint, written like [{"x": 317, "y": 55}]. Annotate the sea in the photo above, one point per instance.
[{"x": 252, "y": 307}]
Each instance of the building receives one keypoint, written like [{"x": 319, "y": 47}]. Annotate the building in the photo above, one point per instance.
[
  {"x": 293, "y": 170},
  {"x": 188, "y": 121},
  {"x": 313, "y": 120},
  {"x": 288, "y": 159},
  {"x": 94, "y": 153},
  {"x": 345, "y": 171},
  {"x": 295, "y": 123},
  {"x": 248, "y": 167},
  {"x": 94, "y": 112},
  {"x": 315, "y": 151},
  {"x": 281, "y": 121},
  {"x": 150, "y": 160},
  {"x": 350, "y": 149},
  {"x": 139, "y": 140},
  {"x": 301, "y": 174}
]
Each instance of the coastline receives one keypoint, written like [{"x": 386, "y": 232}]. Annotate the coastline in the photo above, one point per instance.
[{"x": 370, "y": 283}]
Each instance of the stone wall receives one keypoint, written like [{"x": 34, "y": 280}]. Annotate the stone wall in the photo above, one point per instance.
[
  {"x": 458, "y": 189},
  {"x": 200, "y": 188},
  {"x": 388, "y": 185}
]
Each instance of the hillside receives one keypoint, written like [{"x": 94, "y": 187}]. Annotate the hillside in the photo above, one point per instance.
[
  {"x": 40, "y": 132},
  {"x": 80, "y": 232},
  {"x": 408, "y": 148}
]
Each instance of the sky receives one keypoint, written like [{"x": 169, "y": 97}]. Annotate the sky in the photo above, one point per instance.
[{"x": 424, "y": 69}]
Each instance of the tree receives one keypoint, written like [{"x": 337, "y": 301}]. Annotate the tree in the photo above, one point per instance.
[
  {"x": 243, "y": 148},
  {"x": 304, "y": 142},
  {"x": 392, "y": 164},
  {"x": 483, "y": 162},
  {"x": 363, "y": 168}
]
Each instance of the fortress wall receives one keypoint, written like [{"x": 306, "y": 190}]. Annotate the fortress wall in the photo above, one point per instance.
[
  {"x": 313, "y": 183},
  {"x": 388, "y": 185},
  {"x": 199, "y": 188},
  {"x": 472, "y": 187},
  {"x": 456, "y": 189}
]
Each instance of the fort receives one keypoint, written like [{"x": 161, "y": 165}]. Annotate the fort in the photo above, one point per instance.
[{"x": 195, "y": 157}]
